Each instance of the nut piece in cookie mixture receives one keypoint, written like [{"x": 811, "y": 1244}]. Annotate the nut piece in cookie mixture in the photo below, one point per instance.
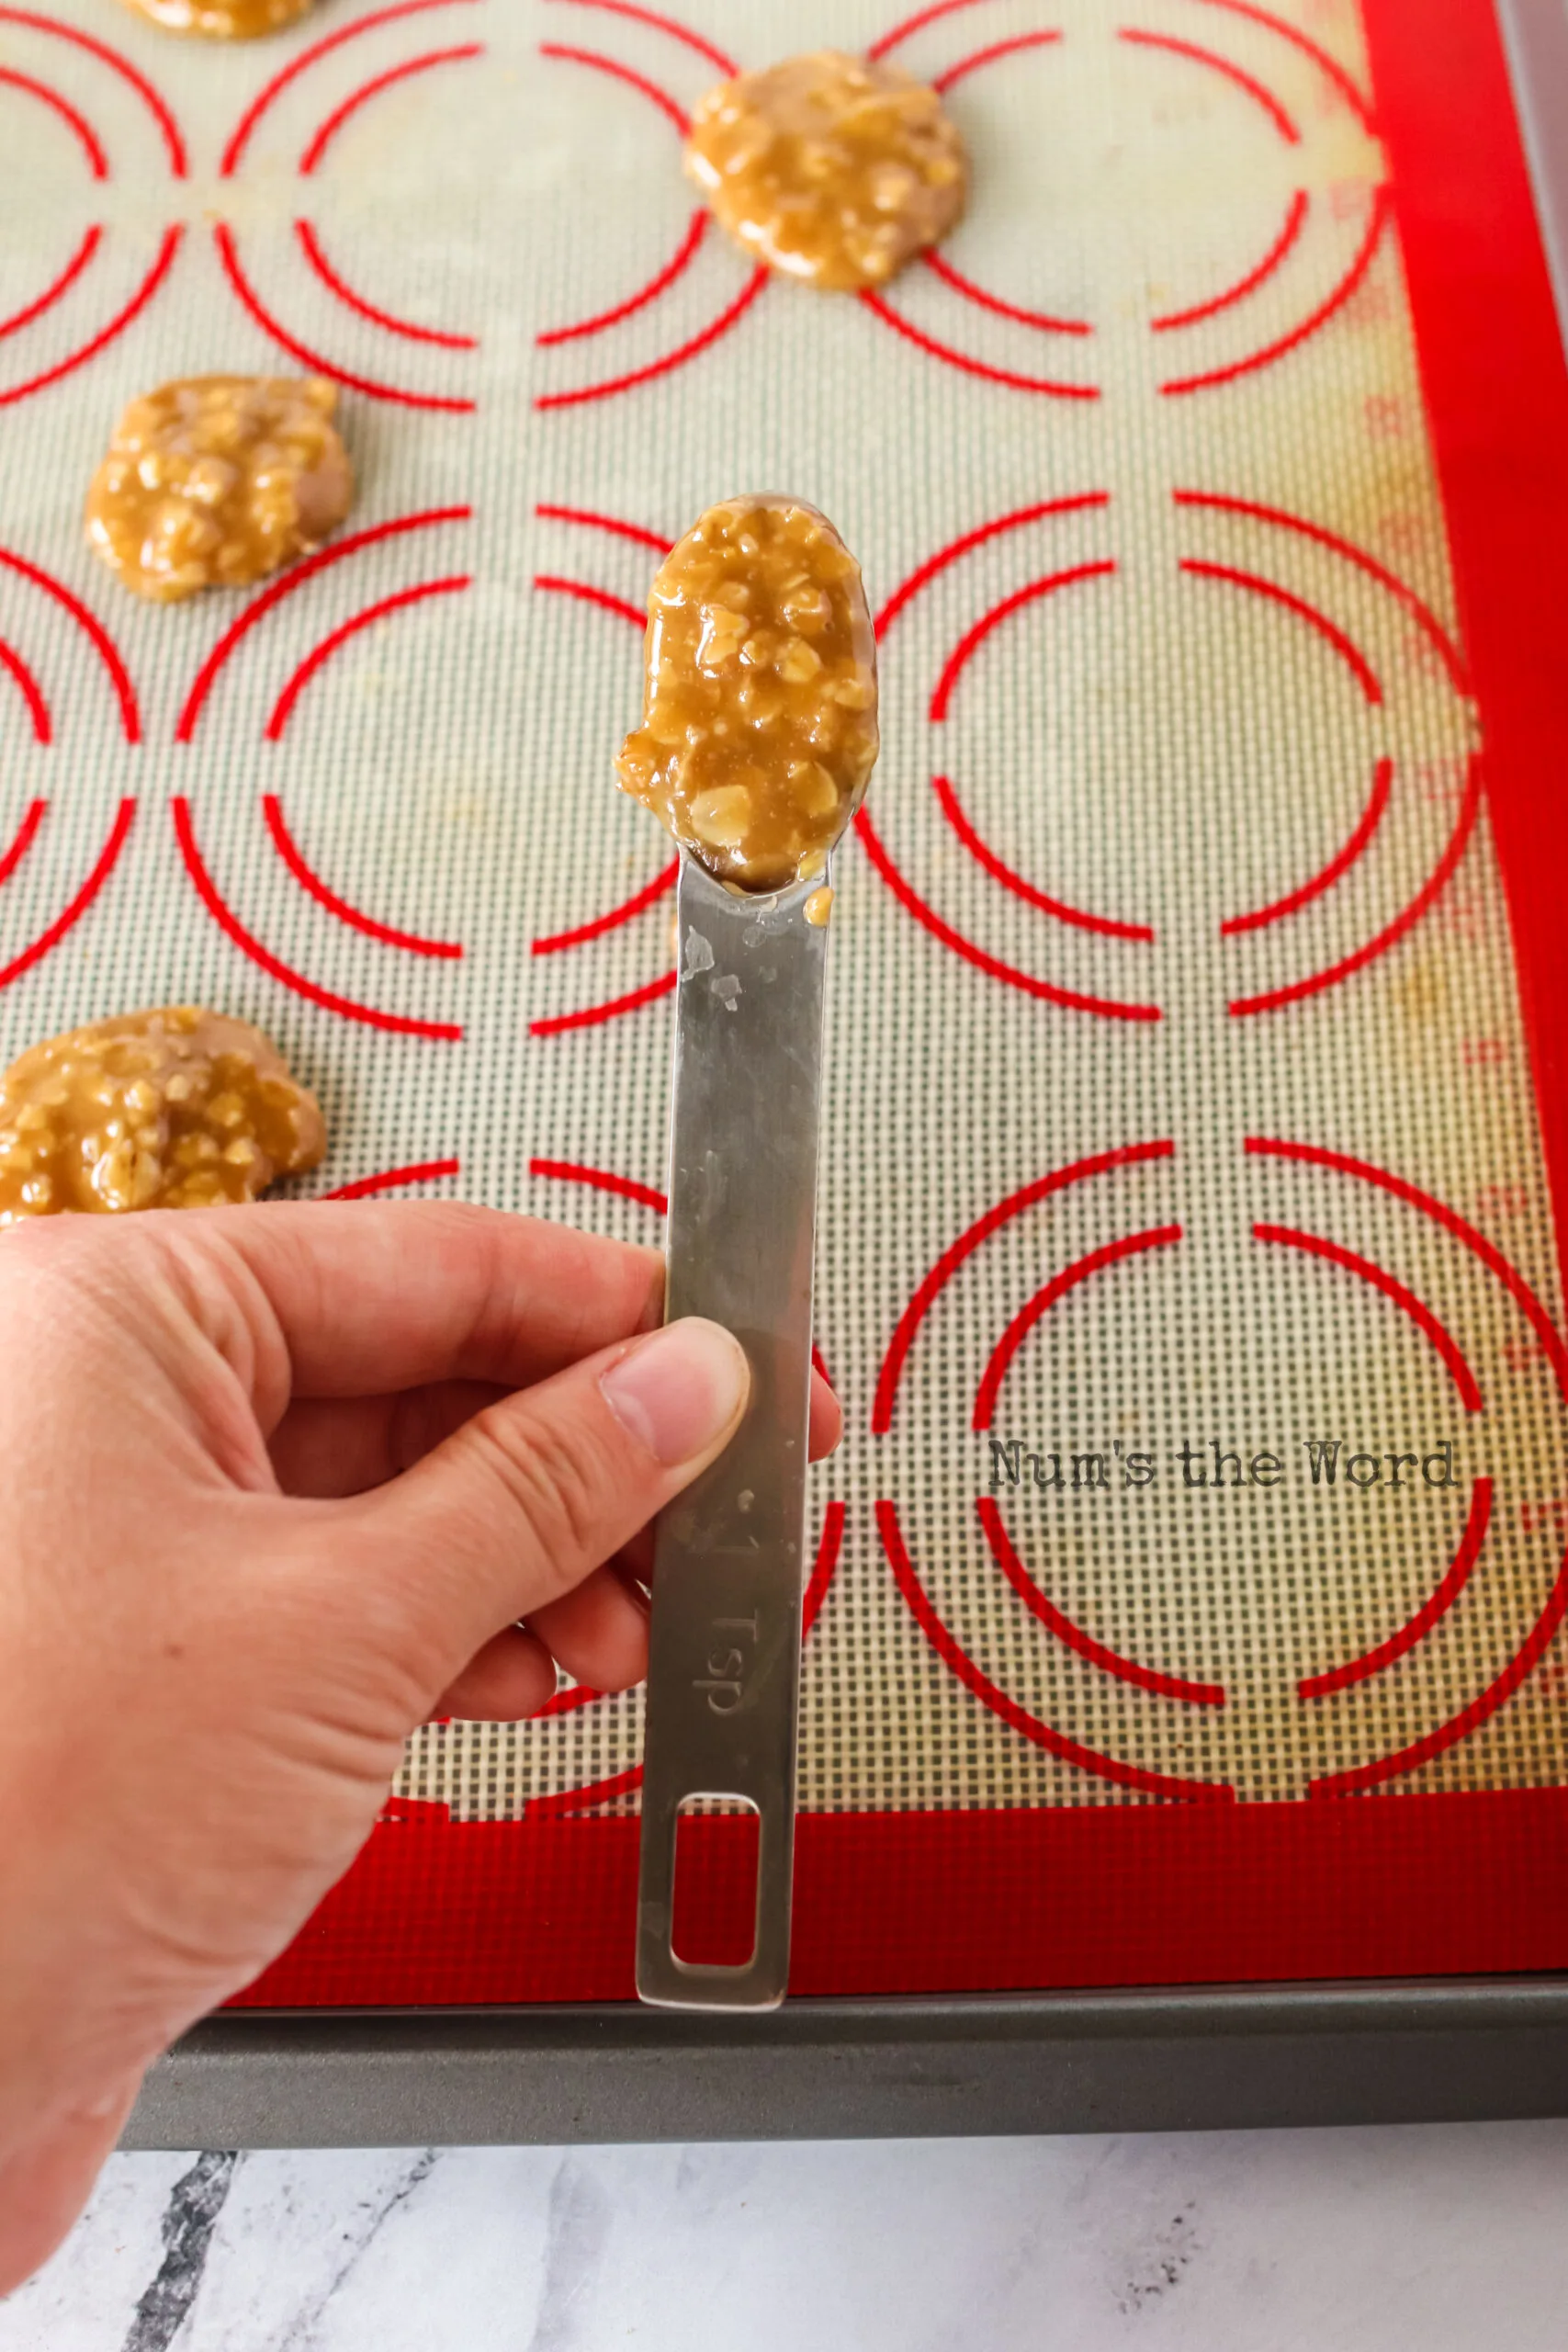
[
  {"x": 830, "y": 168},
  {"x": 218, "y": 481},
  {"x": 172, "y": 1109},
  {"x": 223, "y": 19},
  {"x": 759, "y": 728}
]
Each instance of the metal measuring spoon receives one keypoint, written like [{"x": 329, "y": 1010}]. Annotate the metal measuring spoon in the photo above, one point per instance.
[{"x": 730, "y": 1555}]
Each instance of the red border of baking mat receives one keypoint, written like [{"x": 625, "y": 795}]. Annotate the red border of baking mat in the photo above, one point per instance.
[
  {"x": 965, "y": 1901},
  {"x": 1163, "y": 1893}
]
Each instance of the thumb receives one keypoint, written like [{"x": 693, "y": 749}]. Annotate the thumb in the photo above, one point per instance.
[
  {"x": 45, "y": 2184},
  {"x": 528, "y": 1497}
]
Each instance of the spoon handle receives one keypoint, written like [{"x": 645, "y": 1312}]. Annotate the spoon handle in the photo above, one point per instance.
[{"x": 724, "y": 1668}]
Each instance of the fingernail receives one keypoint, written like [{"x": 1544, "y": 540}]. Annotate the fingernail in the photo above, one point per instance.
[
  {"x": 680, "y": 1389},
  {"x": 637, "y": 1594}
]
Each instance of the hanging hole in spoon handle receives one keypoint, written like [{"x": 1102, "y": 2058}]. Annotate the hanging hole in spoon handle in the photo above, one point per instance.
[{"x": 724, "y": 1644}]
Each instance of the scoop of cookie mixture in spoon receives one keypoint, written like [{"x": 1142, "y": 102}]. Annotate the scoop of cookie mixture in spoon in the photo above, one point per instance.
[{"x": 758, "y": 727}]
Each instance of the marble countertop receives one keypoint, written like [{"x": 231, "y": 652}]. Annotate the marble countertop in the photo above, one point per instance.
[{"x": 1426, "y": 2239}]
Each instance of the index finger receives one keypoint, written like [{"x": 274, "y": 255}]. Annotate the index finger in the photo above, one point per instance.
[{"x": 372, "y": 1296}]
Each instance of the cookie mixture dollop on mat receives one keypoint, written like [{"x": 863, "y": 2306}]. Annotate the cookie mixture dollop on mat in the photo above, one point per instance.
[
  {"x": 175, "y": 1108},
  {"x": 758, "y": 727},
  {"x": 830, "y": 168},
  {"x": 223, "y": 19},
  {"x": 217, "y": 480}
]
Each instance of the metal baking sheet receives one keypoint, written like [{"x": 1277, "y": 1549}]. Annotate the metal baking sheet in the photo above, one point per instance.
[
  {"x": 237, "y": 767},
  {"x": 1160, "y": 2061},
  {"x": 1200, "y": 2060}
]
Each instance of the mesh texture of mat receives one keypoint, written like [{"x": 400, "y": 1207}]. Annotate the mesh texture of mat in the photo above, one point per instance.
[{"x": 1178, "y": 1091}]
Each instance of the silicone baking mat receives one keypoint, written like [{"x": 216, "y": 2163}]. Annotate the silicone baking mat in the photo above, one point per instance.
[{"x": 1186, "y": 1593}]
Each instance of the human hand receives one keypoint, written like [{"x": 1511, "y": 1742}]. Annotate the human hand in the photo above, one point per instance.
[{"x": 279, "y": 1484}]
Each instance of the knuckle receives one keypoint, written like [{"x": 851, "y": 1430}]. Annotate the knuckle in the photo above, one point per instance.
[{"x": 552, "y": 1485}]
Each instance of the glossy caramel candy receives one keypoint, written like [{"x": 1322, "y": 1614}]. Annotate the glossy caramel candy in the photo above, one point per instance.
[{"x": 758, "y": 727}]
